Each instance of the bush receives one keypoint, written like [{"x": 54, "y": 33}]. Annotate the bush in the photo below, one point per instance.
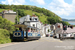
[
  {"x": 6, "y": 28},
  {"x": 4, "y": 36},
  {"x": 53, "y": 20}
]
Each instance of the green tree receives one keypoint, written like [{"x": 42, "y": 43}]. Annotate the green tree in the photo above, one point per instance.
[
  {"x": 21, "y": 13},
  {"x": 53, "y": 20}
]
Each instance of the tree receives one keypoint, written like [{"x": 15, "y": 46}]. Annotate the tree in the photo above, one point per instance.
[
  {"x": 53, "y": 20},
  {"x": 21, "y": 13},
  {"x": 16, "y": 20}
]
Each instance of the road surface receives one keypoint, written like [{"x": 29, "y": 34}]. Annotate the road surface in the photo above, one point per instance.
[{"x": 45, "y": 43}]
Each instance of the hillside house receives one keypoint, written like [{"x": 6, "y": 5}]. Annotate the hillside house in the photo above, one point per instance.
[
  {"x": 9, "y": 15},
  {"x": 31, "y": 21},
  {"x": 34, "y": 22}
]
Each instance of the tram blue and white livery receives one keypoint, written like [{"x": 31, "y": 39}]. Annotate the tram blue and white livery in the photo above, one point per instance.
[{"x": 26, "y": 33}]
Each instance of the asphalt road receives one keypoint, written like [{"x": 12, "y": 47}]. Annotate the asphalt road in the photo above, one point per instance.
[{"x": 45, "y": 43}]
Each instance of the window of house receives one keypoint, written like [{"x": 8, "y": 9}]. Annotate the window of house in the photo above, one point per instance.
[
  {"x": 36, "y": 19},
  {"x": 33, "y": 25},
  {"x": 30, "y": 18}
]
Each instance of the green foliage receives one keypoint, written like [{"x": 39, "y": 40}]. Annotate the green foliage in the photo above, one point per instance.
[
  {"x": 53, "y": 20},
  {"x": 37, "y": 15},
  {"x": 48, "y": 30},
  {"x": 41, "y": 16},
  {"x": 5, "y": 24},
  {"x": 21, "y": 13},
  {"x": 16, "y": 20},
  {"x": 42, "y": 13},
  {"x": 74, "y": 25},
  {"x": 4, "y": 36},
  {"x": 6, "y": 28},
  {"x": 28, "y": 7}
]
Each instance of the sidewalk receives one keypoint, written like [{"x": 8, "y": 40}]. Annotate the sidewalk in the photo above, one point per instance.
[{"x": 8, "y": 44}]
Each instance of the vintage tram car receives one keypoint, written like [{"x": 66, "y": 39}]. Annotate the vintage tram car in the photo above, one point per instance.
[{"x": 25, "y": 33}]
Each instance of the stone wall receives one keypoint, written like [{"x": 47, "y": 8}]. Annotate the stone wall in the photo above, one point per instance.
[{"x": 10, "y": 16}]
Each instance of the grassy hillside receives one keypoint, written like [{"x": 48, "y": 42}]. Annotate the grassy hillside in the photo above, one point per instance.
[
  {"x": 42, "y": 17},
  {"x": 2, "y": 10},
  {"x": 28, "y": 9},
  {"x": 6, "y": 29}
]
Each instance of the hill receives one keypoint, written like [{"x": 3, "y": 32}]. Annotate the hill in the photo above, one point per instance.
[
  {"x": 42, "y": 13},
  {"x": 64, "y": 19},
  {"x": 68, "y": 19}
]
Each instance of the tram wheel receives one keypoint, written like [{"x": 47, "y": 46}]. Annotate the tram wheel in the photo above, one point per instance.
[{"x": 25, "y": 40}]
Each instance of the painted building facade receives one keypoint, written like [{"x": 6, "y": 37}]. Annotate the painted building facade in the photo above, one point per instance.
[{"x": 31, "y": 21}]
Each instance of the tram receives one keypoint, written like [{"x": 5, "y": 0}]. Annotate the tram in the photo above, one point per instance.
[{"x": 26, "y": 33}]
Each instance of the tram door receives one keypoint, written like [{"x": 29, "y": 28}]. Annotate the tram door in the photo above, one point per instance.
[
  {"x": 59, "y": 36},
  {"x": 74, "y": 36}
]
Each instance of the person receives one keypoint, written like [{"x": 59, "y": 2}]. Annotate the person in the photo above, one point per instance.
[
  {"x": 28, "y": 30},
  {"x": 20, "y": 28}
]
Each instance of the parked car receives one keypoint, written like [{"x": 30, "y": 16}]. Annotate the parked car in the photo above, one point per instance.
[
  {"x": 51, "y": 35},
  {"x": 47, "y": 35}
]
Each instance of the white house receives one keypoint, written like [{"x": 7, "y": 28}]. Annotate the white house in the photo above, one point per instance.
[
  {"x": 31, "y": 21},
  {"x": 42, "y": 30},
  {"x": 34, "y": 22},
  {"x": 47, "y": 29}
]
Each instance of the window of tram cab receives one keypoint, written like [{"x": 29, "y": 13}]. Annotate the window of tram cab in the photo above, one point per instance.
[{"x": 20, "y": 28}]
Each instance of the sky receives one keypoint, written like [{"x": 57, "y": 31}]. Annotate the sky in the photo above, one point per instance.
[{"x": 63, "y": 8}]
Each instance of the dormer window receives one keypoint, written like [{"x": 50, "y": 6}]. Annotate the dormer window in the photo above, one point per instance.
[
  {"x": 36, "y": 19},
  {"x": 30, "y": 18}
]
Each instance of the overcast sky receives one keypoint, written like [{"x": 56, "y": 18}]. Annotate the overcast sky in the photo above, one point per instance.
[{"x": 63, "y": 8}]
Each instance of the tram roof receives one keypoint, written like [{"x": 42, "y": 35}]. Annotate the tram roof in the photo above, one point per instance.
[{"x": 25, "y": 26}]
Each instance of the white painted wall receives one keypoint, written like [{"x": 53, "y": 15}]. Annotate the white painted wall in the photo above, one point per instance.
[
  {"x": 46, "y": 28},
  {"x": 31, "y": 24},
  {"x": 22, "y": 19}
]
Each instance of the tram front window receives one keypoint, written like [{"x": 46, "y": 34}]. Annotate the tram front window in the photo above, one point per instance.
[{"x": 20, "y": 28}]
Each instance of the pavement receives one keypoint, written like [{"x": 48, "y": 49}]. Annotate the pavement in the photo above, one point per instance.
[{"x": 45, "y": 43}]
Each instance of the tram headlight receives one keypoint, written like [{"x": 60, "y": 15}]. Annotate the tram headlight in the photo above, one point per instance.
[{"x": 17, "y": 34}]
